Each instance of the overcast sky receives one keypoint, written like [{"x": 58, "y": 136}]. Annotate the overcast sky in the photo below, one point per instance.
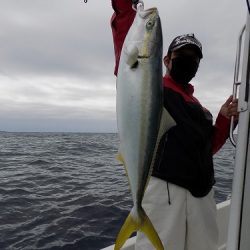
[{"x": 57, "y": 60}]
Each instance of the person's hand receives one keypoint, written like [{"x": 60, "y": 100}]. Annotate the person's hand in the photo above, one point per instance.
[{"x": 229, "y": 108}]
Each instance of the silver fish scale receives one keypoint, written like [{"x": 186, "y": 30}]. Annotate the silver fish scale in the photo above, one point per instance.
[{"x": 140, "y": 102}]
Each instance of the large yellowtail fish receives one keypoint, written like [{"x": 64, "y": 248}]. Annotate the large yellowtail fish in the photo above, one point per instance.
[{"x": 141, "y": 118}]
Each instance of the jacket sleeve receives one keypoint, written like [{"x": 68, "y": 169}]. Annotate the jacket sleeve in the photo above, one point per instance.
[
  {"x": 120, "y": 23},
  {"x": 220, "y": 132}
]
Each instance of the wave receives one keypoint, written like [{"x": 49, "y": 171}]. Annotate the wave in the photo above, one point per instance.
[
  {"x": 67, "y": 191},
  {"x": 39, "y": 162}
]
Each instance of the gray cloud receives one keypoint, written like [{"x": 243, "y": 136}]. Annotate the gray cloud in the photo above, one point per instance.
[
  {"x": 56, "y": 67},
  {"x": 54, "y": 39}
]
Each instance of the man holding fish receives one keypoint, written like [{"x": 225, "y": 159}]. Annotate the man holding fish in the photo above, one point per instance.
[{"x": 165, "y": 133}]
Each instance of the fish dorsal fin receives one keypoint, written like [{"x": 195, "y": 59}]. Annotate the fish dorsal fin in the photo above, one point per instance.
[
  {"x": 132, "y": 56},
  {"x": 167, "y": 122}
]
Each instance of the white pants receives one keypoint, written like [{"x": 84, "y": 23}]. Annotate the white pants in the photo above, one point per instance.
[{"x": 188, "y": 223}]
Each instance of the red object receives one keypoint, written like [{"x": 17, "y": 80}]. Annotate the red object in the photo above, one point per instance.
[{"x": 121, "y": 21}]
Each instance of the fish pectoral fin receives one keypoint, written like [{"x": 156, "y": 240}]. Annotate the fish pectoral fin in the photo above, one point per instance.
[
  {"x": 132, "y": 56},
  {"x": 131, "y": 225}
]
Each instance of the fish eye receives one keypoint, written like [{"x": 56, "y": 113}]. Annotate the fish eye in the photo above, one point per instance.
[{"x": 150, "y": 24}]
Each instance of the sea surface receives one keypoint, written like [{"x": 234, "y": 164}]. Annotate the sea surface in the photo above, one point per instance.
[{"x": 67, "y": 191}]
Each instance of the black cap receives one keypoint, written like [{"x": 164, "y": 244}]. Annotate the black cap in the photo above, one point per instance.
[{"x": 184, "y": 40}]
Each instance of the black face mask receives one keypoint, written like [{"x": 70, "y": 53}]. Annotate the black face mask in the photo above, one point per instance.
[{"x": 183, "y": 69}]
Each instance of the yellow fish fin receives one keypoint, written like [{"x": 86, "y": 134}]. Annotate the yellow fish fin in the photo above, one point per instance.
[
  {"x": 149, "y": 230},
  {"x": 131, "y": 225},
  {"x": 127, "y": 229},
  {"x": 120, "y": 158}
]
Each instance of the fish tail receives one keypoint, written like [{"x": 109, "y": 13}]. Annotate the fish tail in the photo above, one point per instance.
[
  {"x": 127, "y": 229},
  {"x": 148, "y": 229},
  {"x": 131, "y": 225}
]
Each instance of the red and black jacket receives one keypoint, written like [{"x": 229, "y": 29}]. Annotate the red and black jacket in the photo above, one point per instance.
[{"x": 185, "y": 153}]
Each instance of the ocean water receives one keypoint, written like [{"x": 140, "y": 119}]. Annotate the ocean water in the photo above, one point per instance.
[{"x": 67, "y": 190}]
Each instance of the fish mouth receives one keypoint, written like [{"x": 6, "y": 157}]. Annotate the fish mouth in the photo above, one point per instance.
[
  {"x": 143, "y": 57},
  {"x": 139, "y": 58},
  {"x": 146, "y": 13}
]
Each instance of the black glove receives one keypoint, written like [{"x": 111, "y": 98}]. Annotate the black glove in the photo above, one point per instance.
[{"x": 135, "y": 2}]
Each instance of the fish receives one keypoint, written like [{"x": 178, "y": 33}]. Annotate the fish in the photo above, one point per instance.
[{"x": 141, "y": 117}]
